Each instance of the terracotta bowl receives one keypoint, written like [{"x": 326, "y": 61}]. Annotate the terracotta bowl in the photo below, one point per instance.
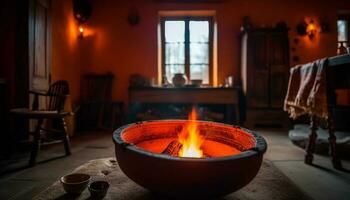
[
  {"x": 234, "y": 158},
  {"x": 98, "y": 189},
  {"x": 75, "y": 183},
  {"x": 197, "y": 82}
]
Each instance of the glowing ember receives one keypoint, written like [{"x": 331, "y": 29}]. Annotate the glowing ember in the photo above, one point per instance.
[{"x": 190, "y": 138}]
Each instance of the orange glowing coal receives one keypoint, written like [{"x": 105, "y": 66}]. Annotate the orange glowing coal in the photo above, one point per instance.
[{"x": 190, "y": 138}]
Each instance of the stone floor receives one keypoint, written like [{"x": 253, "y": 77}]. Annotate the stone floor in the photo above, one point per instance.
[{"x": 319, "y": 182}]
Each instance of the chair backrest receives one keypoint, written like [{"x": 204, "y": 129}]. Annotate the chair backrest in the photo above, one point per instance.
[
  {"x": 97, "y": 87},
  {"x": 57, "y": 94}
]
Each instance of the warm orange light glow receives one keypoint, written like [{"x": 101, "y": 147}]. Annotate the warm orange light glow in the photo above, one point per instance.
[
  {"x": 81, "y": 31},
  {"x": 191, "y": 139},
  {"x": 84, "y": 31},
  {"x": 311, "y": 29},
  {"x": 72, "y": 31}
]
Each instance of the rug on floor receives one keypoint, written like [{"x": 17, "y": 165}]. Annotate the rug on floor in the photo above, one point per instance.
[{"x": 270, "y": 183}]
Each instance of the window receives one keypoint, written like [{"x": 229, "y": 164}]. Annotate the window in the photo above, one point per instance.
[
  {"x": 343, "y": 30},
  {"x": 186, "y": 47}
]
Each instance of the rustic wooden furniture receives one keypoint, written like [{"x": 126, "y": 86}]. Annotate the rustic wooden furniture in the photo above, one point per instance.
[
  {"x": 97, "y": 107},
  {"x": 229, "y": 98},
  {"x": 265, "y": 70},
  {"x": 338, "y": 77},
  {"x": 56, "y": 96}
]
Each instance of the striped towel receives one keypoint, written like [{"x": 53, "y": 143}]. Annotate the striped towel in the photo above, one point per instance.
[{"x": 307, "y": 90}]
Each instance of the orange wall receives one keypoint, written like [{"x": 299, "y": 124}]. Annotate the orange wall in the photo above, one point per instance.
[
  {"x": 114, "y": 45},
  {"x": 66, "y": 60}
]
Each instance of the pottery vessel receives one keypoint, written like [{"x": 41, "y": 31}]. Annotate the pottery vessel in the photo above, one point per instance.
[
  {"x": 179, "y": 176},
  {"x": 75, "y": 183},
  {"x": 179, "y": 80}
]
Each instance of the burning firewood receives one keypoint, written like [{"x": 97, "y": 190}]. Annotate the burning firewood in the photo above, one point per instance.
[{"x": 173, "y": 148}]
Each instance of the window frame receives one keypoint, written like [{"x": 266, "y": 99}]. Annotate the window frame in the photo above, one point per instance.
[{"x": 187, "y": 19}]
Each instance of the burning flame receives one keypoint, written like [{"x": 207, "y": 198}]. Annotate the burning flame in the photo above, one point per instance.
[
  {"x": 81, "y": 29},
  {"x": 190, "y": 138}
]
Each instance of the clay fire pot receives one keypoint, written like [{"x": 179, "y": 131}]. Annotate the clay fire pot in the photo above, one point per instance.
[{"x": 138, "y": 150}]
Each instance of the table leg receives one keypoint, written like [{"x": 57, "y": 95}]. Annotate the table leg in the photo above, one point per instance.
[
  {"x": 310, "y": 148},
  {"x": 237, "y": 113},
  {"x": 229, "y": 114},
  {"x": 332, "y": 144}
]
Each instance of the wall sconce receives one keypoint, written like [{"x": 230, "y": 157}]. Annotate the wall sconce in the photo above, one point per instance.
[
  {"x": 309, "y": 29},
  {"x": 82, "y": 12},
  {"x": 81, "y": 31}
]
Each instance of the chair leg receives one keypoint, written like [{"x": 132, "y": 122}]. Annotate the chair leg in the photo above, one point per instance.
[
  {"x": 101, "y": 116},
  {"x": 332, "y": 144},
  {"x": 113, "y": 118},
  {"x": 65, "y": 137},
  {"x": 35, "y": 147},
  {"x": 237, "y": 117},
  {"x": 310, "y": 148}
]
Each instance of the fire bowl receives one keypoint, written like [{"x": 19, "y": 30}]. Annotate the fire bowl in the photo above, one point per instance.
[{"x": 233, "y": 157}]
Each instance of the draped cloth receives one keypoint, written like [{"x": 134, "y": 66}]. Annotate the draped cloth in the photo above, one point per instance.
[{"x": 307, "y": 90}]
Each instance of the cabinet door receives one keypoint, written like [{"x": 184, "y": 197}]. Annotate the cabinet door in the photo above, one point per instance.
[
  {"x": 258, "y": 95},
  {"x": 279, "y": 68},
  {"x": 257, "y": 71}
]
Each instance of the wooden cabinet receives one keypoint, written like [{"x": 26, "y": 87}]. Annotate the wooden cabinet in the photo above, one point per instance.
[{"x": 265, "y": 71}]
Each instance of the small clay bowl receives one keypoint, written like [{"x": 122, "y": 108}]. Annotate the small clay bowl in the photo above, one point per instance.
[
  {"x": 196, "y": 82},
  {"x": 98, "y": 189},
  {"x": 75, "y": 183}
]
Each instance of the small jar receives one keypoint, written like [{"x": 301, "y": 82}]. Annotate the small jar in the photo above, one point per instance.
[{"x": 179, "y": 80}]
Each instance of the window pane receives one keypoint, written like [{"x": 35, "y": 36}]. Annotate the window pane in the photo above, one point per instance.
[
  {"x": 199, "y": 50},
  {"x": 174, "y": 49},
  {"x": 174, "y": 31},
  {"x": 199, "y": 31},
  {"x": 170, "y": 70},
  {"x": 175, "y": 53},
  {"x": 342, "y": 31},
  {"x": 199, "y": 53},
  {"x": 200, "y": 72}
]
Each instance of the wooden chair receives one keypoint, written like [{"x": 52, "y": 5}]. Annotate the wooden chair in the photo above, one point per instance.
[
  {"x": 97, "y": 110},
  {"x": 55, "y": 96}
]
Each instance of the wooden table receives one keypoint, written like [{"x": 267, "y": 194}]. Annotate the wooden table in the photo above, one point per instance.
[
  {"x": 338, "y": 77},
  {"x": 228, "y": 97}
]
